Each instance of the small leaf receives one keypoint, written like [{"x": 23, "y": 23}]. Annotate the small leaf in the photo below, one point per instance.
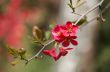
[
  {"x": 51, "y": 26},
  {"x": 38, "y": 58},
  {"x": 47, "y": 35},
  {"x": 37, "y": 33},
  {"x": 13, "y": 52},
  {"x": 82, "y": 21},
  {"x": 73, "y": 9},
  {"x": 78, "y": 1},
  {"x": 13, "y": 63},
  {"x": 22, "y": 51},
  {"x": 71, "y": 2}
]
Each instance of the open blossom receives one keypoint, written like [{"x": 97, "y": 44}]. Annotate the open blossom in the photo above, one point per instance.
[
  {"x": 68, "y": 40},
  {"x": 52, "y": 52},
  {"x": 57, "y": 34},
  {"x": 65, "y": 34},
  {"x": 69, "y": 29},
  {"x": 63, "y": 52}
]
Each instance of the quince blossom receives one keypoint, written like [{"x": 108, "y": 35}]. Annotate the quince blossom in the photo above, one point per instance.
[
  {"x": 65, "y": 34},
  {"x": 52, "y": 52}
]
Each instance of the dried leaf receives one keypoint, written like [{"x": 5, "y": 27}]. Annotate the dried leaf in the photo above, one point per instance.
[{"x": 37, "y": 33}]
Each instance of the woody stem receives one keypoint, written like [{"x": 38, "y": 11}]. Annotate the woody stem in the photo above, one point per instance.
[
  {"x": 94, "y": 7},
  {"x": 37, "y": 54}
]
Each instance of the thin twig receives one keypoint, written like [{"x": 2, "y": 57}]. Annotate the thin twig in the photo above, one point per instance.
[
  {"x": 98, "y": 16},
  {"x": 36, "y": 55},
  {"x": 106, "y": 7},
  {"x": 94, "y": 7}
]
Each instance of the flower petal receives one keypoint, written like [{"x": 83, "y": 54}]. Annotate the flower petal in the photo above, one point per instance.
[
  {"x": 46, "y": 52},
  {"x": 68, "y": 48},
  {"x": 57, "y": 28},
  {"x": 51, "y": 52},
  {"x": 64, "y": 31},
  {"x": 74, "y": 42},
  {"x": 73, "y": 37},
  {"x": 63, "y": 51},
  {"x": 68, "y": 24},
  {"x": 65, "y": 43}
]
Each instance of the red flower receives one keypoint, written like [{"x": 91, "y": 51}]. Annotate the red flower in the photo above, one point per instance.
[
  {"x": 69, "y": 29},
  {"x": 65, "y": 34},
  {"x": 57, "y": 35},
  {"x": 69, "y": 39},
  {"x": 52, "y": 53},
  {"x": 63, "y": 52}
]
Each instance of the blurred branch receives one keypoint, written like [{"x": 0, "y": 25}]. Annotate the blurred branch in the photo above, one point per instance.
[
  {"x": 36, "y": 55},
  {"x": 98, "y": 16},
  {"x": 73, "y": 8},
  {"x": 94, "y": 7},
  {"x": 106, "y": 7}
]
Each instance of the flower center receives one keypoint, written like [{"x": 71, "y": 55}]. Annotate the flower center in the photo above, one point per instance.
[
  {"x": 69, "y": 30},
  {"x": 58, "y": 33}
]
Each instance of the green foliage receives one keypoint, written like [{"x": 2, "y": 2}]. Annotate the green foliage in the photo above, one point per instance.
[
  {"x": 47, "y": 35},
  {"x": 13, "y": 52},
  {"x": 82, "y": 21},
  {"x": 17, "y": 54}
]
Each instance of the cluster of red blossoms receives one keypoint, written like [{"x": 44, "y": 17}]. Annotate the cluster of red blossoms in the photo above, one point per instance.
[{"x": 63, "y": 34}]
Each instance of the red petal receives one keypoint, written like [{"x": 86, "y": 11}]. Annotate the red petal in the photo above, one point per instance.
[
  {"x": 68, "y": 24},
  {"x": 73, "y": 37},
  {"x": 65, "y": 43},
  {"x": 63, "y": 51},
  {"x": 64, "y": 31},
  {"x": 74, "y": 42},
  {"x": 74, "y": 28},
  {"x": 46, "y": 52},
  {"x": 53, "y": 53},
  {"x": 49, "y": 52},
  {"x": 68, "y": 48},
  {"x": 57, "y": 28}
]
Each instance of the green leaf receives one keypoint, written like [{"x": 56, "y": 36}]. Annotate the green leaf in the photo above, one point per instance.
[
  {"x": 82, "y": 21},
  {"x": 51, "y": 26},
  {"x": 47, "y": 35}
]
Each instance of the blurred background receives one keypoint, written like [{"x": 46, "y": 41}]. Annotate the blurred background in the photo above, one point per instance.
[{"x": 17, "y": 19}]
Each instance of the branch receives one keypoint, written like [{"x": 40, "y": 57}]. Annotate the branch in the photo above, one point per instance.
[
  {"x": 94, "y": 7},
  {"x": 36, "y": 55},
  {"x": 98, "y": 16},
  {"x": 106, "y": 7}
]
